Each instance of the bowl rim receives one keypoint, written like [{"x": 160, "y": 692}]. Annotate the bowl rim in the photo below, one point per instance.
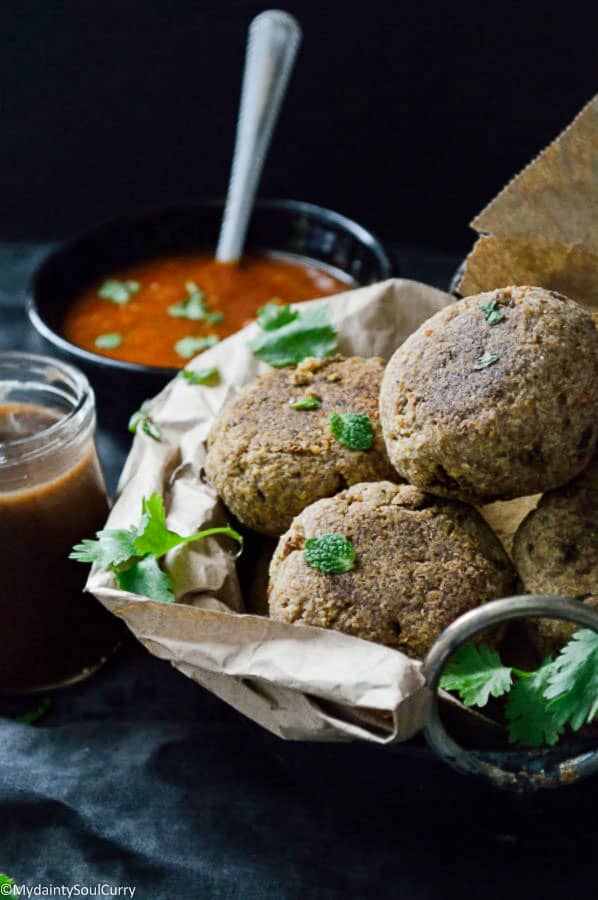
[{"x": 70, "y": 243}]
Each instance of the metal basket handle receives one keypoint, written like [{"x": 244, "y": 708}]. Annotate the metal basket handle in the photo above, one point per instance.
[{"x": 537, "y": 771}]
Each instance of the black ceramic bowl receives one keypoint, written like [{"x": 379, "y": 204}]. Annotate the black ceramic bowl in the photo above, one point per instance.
[{"x": 286, "y": 226}]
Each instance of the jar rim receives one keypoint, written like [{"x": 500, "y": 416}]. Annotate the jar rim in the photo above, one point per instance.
[{"x": 82, "y": 401}]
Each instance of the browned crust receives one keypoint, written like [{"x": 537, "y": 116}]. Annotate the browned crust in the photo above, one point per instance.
[
  {"x": 555, "y": 550},
  {"x": 523, "y": 425},
  {"x": 269, "y": 461},
  {"x": 420, "y": 563}
]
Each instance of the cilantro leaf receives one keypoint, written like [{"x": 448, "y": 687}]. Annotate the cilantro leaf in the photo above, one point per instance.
[
  {"x": 492, "y": 313},
  {"x": 113, "y": 547},
  {"x": 152, "y": 534},
  {"x": 532, "y": 721},
  {"x": 485, "y": 360},
  {"x": 146, "y": 578},
  {"x": 310, "y": 333},
  {"x": 331, "y": 553},
  {"x": 273, "y": 315},
  {"x": 34, "y": 715},
  {"x": 476, "y": 674},
  {"x": 132, "y": 554},
  {"x": 109, "y": 341},
  {"x": 195, "y": 307},
  {"x": 307, "y": 402},
  {"x": 118, "y": 291},
  {"x": 189, "y": 346},
  {"x": 353, "y": 430},
  {"x": 153, "y": 537},
  {"x": 573, "y": 681},
  {"x": 141, "y": 419},
  {"x": 209, "y": 377},
  {"x": 562, "y": 692}
]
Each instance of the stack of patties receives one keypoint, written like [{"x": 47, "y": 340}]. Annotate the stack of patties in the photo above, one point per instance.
[{"x": 494, "y": 397}]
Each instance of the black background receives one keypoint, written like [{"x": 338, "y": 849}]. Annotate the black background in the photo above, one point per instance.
[{"x": 406, "y": 116}]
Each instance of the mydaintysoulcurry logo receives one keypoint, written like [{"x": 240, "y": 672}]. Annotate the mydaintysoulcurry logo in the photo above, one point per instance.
[{"x": 9, "y": 888}]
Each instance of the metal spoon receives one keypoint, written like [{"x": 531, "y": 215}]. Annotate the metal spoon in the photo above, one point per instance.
[{"x": 272, "y": 43}]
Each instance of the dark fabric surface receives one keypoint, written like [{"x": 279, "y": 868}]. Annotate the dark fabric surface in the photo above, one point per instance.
[{"x": 138, "y": 777}]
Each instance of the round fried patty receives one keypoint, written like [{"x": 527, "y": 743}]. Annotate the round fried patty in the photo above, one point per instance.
[
  {"x": 420, "y": 563},
  {"x": 269, "y": 461},
  {"x": 497, "y": 402},
  {"x": 556, "y": 552}
]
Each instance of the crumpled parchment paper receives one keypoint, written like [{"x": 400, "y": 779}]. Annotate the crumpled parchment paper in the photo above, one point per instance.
[
  {"x": 542, "y": 228},
  {"x": 299, "y": 682}
]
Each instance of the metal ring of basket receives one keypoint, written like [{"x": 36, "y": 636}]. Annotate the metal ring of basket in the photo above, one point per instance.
[{"x": 534, "y": 771}]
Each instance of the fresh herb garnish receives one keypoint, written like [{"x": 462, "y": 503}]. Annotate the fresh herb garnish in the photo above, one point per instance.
[
  {"x": 477, "y": 674},
  {"x": 189, "y": 346},
  {"x": 331, "y": 553},
  {"x": 141, "y": 419},
  {"x": 353, "y": 430},
  {"x": 531, "y": 719},
  {"x": 308, "y": 333},
  {"x": 132, "y": 554},
  {"x": 195, "y": 307},
  {"x": 573, "y": 679},
  {"x": 146, "y": 577},
  {"x": 208, "y": 377},
  {"x": 487, "y": 359},
  {"x": 562, "y": 692},
  {"x": 307, "y": 402},
  {"x": 34, "y": 715},
  {"x": 118, "y": 291},
  {"x": 273, "y": 315},
  {"x": 109, "y": 341},
  {"x": 492, "y": 313}
]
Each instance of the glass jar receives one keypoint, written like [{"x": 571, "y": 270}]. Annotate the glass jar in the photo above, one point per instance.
[{"x": 52, "y": 494}]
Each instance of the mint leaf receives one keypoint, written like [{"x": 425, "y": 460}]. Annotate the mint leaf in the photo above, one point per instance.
[
  {"x": 118, "y": 291},
  {"x": 195, "y": 307},
  {"x": 113, "y": 548},
  {"x": 189, "y": 346},
  {"x": 331, "y": 553},
  {"x": 353, "y": 430},
  {"x": 272, "y": 316},
  {"x": 532, "y": 721},
  {"x": 209, "y": 377},
  {"x": 307, "y": 402},
  {"x": 573, "y": 681},
  {"x": 109, "y": 341},
  {"x": 476, "y": 674},
  {"x": 146, "y": 578},
  {"x": 310, "y": 333}
]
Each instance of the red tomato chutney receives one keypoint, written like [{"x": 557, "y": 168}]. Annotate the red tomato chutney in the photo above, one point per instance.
[{"x": 142, "y": 313}]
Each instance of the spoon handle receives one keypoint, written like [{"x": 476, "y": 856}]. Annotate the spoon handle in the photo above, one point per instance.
[{"x": 272, "y": 44}]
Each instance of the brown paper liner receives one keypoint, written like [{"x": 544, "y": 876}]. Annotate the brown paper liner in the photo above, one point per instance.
[
  {"x": 542, "y": 228},
  {"x": 299, "y": 682}
]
